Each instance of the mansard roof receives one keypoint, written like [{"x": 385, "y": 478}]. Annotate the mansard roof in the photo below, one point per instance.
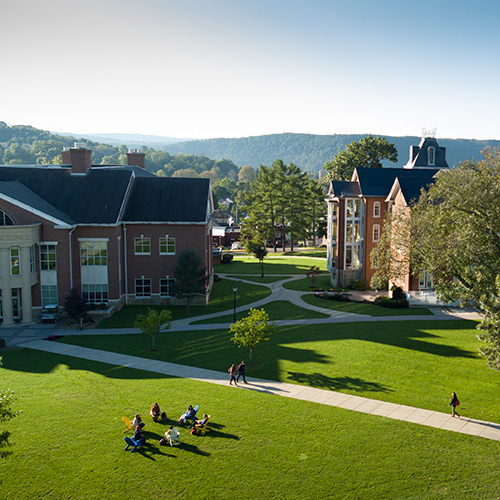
[
  {"x": 102, "y": 194},
  {"x": 419, "y": 155},
  {"x": 378, "y": 181}
]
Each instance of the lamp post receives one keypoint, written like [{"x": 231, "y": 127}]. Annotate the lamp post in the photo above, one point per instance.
[
  {"x": 235, "y": 289},
  {"x": 262, "y": 249}
]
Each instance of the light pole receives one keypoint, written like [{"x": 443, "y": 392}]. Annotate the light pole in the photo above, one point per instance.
[{"x": 235, "y": 289}]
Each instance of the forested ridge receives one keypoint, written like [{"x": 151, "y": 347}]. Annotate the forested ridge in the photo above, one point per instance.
[
  {"x": 25, "y": 145},
  {"x": 310, "y": 152},
  {"x": 216, "y": 158}
]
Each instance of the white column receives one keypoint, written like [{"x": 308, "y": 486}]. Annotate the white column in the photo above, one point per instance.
[
  {"x": 26, "y": 286},
  {"x": 6, "y": 287}
]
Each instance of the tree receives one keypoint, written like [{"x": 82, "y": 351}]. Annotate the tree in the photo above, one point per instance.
[
  {"x": 258, "y": 249},
  {"x": 153, "y": 323},
  {"x": 6, "y": 413},
  {"x": 312, "y": 274},
  {"x": 251, "y": 330},
  {"x": 246, "y": 174},
  {"x": 368, "y": 152},
  {"x": 453, "y": 233},
  {"x": 76, "y": 307},
  {"x": 190, "y": 276}
]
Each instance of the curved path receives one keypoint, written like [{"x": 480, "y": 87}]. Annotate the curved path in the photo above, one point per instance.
[{"x": 30, "y": 337}]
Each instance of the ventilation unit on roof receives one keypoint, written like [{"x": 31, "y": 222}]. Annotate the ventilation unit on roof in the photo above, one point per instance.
[{"x": 80, "y": 145}]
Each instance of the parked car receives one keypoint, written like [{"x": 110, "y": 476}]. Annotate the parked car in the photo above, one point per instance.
[{"x": 50, "y": 313}]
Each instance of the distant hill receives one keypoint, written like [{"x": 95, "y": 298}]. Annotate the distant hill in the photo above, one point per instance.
[
  {"x": 130, "y": 140},
  {"x": 310, "y": 152}
]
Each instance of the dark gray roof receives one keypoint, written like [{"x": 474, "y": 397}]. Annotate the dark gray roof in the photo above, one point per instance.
[
  {"x": 168, "y": 200},
  {"x": 411, "y": 188},
  {"x": 97, "y": 196},
  {"x": 20, "y": 193},
  {"x": 345, "y": 189},
  {"x": 378, "y": 181}
]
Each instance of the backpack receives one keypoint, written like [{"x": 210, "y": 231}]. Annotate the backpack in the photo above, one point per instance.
[{"x": 193, "y": 431}]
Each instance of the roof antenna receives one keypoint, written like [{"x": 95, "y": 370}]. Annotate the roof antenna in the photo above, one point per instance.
[{"x": 429, "y": 133}]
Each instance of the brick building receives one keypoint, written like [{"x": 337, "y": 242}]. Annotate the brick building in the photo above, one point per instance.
[
  {"x": 357, "y": 209},
  {"x": 111, "y": 232}
]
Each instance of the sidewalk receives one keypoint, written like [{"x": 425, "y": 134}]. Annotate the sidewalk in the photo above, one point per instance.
[{"x": 464, "y": 425}]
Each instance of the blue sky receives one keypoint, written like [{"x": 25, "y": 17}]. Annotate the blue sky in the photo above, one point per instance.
[{"x": 234, "y": 68}]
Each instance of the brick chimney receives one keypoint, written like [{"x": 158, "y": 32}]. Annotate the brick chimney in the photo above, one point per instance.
[
  {"x": 78, "y": 157},
  {"x": 136, "y": 157}
]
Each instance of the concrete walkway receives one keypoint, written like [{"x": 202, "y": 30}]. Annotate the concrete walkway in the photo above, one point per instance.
[{"x": 464, "y": 425}]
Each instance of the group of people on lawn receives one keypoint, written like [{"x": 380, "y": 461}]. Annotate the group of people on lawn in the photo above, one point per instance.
[{"x": 172, "y": 434}]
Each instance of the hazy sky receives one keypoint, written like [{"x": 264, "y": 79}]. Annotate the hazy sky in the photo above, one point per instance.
[{"x": 234, "y": 68}]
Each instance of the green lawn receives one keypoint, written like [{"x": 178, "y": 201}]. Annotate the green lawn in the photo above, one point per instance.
[
  {"x": 361, "y": 308},
  {"x": 277, "y": 310},
  {"x": 68, "y": 443},
  {"x": 273, "y": 264},
  {"x": 258, "y": 279},
  {"x": 221, "y": 299},
  {"x": 418, "y": 363},
  {"x": 304, "y": 284}
]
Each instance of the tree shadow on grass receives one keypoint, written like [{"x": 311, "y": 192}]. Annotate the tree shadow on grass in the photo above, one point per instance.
[{"x": 321, "y": 381}]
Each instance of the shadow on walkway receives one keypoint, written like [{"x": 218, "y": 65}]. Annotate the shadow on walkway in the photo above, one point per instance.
[{"x": 321, "y": 381}]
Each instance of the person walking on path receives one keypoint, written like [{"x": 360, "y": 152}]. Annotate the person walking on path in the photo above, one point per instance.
[
  {"x": 454, "y": 402},
  {"x": 232, "y": 373},
  {"x": 241, "y": 372}
]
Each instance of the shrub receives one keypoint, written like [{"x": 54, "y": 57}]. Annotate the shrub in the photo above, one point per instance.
[
  {"x": 2, "y": 343},
  {"x": 359, "y": 285},
  {"x": 391, "y": 303},
  {"x": 398, "y": 293},
  {"x": 227, "y": 258}
]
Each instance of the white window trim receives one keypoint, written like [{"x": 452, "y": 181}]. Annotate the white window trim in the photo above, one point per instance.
[
  {"x": 376, "y": 204},
  {"x": 167, "y": 237},
  {"x": 377, "y": 228},
  {"x": 142, "y": 238}
]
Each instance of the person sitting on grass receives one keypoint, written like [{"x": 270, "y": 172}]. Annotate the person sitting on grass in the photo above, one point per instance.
[
  {"x": 139, "y": 436},
  {"x": 200, "y": 423},
  {"x": 155, "y": 412},
  {"x": 138, "y": 421},
  {"x": 187, "y": 414}
]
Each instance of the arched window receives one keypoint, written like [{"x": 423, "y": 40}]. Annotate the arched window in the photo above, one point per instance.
[
  {"x": 430, "y": 156},
  {"x": 5, "y": 220}
]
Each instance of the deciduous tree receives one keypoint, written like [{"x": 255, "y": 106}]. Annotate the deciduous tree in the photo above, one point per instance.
[
  {"x": 368, "y": 152},
  {"x": 251, "y": 330},
  {"x": 153, "y": 323},
  {"x": 453, "y": 232},
  {"x": 6, "y": 413}
]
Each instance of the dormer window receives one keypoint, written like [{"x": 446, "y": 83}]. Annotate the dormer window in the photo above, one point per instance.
[{"x": 430, "y": 156}]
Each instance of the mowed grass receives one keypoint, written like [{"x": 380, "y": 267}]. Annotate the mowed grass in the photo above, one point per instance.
[
  {"x": 322, "y": 281},
  {"x": 68, "y": 443},
  {"x": 221, "y": 299},
  {"x": 418, "y": 363},
  {"x": 273, "y": 264},
  {"x": 277, "y": 310},
  {"x": 361, "y": 308}
]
